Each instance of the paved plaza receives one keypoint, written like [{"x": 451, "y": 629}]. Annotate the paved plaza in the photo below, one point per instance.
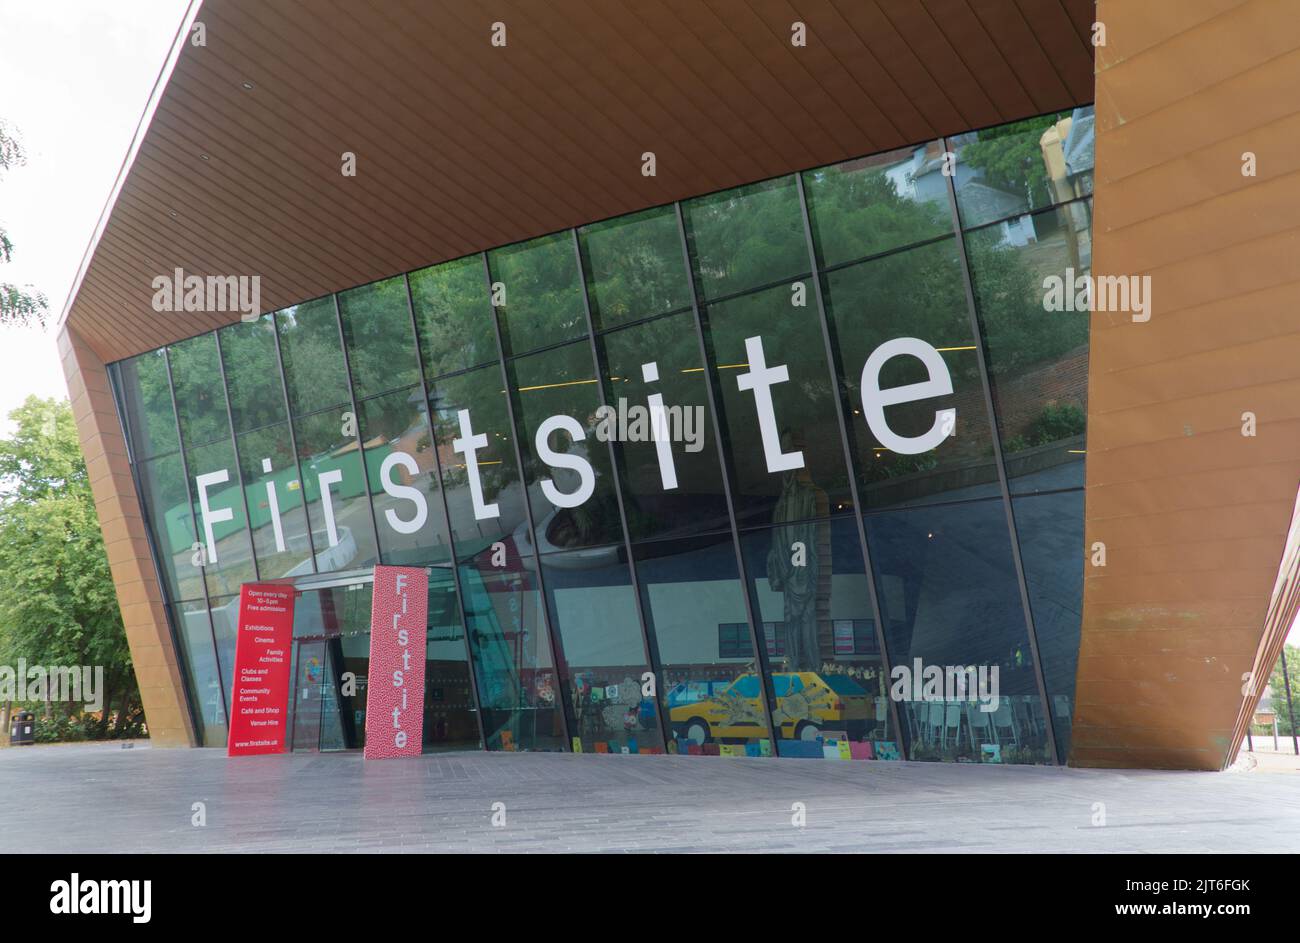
[{"x": 102, "y": 798}]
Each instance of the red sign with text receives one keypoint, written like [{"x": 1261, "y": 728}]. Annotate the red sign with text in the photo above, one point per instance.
[
  {"x": 260, "y": 689},
  {"x": 395, "y": 694}
]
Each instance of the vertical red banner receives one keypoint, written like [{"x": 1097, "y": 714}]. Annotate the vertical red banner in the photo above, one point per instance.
[
  {"x": 395, "y": 693},
  {"x": 259, "y": 696}
]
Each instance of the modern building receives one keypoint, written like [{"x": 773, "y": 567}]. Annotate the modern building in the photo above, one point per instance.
[{"x": 729, "y": 367}]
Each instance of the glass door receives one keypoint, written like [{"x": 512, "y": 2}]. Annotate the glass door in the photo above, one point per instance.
[
  {"x": 343, "y": 706},
  {"x": 308, "y": 693},
  {"x": 331, "y": 670}
]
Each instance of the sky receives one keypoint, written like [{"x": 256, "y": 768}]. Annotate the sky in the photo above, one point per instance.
[{"x": 77, "y": 77}]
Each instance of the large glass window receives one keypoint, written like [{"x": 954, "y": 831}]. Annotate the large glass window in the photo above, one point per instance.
[
  {"x": 694, "y": 607},
  {"x": 955, "y": 627},
  {"x": 453, "y": 316},
  {"x": 680, "y": 493},
  {"x": 336, "y": 456},
  {"x": 1013, "y": 168},
  {"x": 314, "y": 371},
  {"x": 274, "y": 494},
  {"x": 567, "y": 468},
  {"x": 1050, "y": 530},
  {"x": 1036, "y": 338},
  {"x": 745, "y": 238},
  {"x": 635, "y": 267},
  {"x": 224, "y": 612},
  {"x": 377, "y": 327},
  {"x": 519, "y": 693},
  {"x": 222, "y": 525},
  {"x": 166, "y": 499},
  {"x": 874, "y": 204},
  {"x": 403, "y": 477},
  {"x": 334, "y": 488},
  {"x": 194, "y": 630},
  {"x": 824, "y": 665},
  {"x": 200, "y": 395},
  {"x": 449, "y": 708},
  {"x": 778, "y": 413},
  {"x": 933, "y": 444},
  {"x": 480, "y": 473},
  {"x": 252, "y": 373},
  {"x": 593, "y": 607},
  {"x": 150, "y": 419},
  {"x": 541, "y": 302}
]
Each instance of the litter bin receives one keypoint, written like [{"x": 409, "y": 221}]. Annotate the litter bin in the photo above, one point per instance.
[{"x": 22, "y": 728}]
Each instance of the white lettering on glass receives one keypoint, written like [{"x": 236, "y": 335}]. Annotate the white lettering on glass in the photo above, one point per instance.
[
  {"x": 327, "y": 478},
  {"x": 210, "y": 516},
  {"x": 468, "y": 445},
  {"x": 393, "y": 489},
  {"x": 659, "y": 429},
  {"x": 273, "y": 505},
  {"x": 761, "y": 378},
  {"x": 874, "y": 399},
  {"x": 586, "y": 474}
]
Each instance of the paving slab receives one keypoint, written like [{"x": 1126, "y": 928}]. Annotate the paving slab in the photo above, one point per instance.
[{"x": 101, "y": 798}]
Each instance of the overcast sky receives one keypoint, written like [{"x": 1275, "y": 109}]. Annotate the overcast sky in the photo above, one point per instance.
[{"x": 77, "y": 76}]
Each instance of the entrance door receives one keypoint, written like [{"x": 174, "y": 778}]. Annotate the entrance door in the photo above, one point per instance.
[
  {"x": 331, "y": 667},
  {"x": 343, "y": 702},
  {"x": 331, "y": 642},
  {"x": 309, "y": 693},
  {"x": 329, "y": 700}
]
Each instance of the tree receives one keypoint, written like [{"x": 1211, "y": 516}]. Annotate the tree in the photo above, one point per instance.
[
  {"x": 17, "y": 305},
  {"x": 1011, "y": 157},
  {"x": 1278, "y": 687},
  {"x": 57, "y": 602}
]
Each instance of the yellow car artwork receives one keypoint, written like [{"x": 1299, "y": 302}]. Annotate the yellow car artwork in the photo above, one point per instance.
[{"x": 807, "y": 703}]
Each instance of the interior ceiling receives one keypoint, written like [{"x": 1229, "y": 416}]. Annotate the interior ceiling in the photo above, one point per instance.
[{"x": 462, "y": 146}]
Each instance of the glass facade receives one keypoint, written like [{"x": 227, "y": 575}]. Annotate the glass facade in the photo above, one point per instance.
[{"x": 794, "y": 469}]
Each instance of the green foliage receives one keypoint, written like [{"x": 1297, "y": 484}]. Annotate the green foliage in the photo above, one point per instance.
[
  {"x": 453, "y": 315},
  {"x": 889, "y": 465},
  {"x": 62, "y": 730},
  {"x": 25, "y": 305},
  {"x": 57, "y": 602},
  {"x": 381, "y": 348},
  {"x": 1019, "y": 333},
  {"x": 1057, "y": 421},
  {"x": 1012, "y": 159},
  {"x": 1026, "y": 756},
  {"x": 857, "y": 213},
  {"x": 543, "y": 296},
  {"x": 1278, "y": 687},
  {"x": 746, "y": 237},
  {"x": 636, "y": 267}
]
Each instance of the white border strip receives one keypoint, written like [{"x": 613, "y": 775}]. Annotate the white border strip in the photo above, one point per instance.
[{"x": 159, "y": 86}]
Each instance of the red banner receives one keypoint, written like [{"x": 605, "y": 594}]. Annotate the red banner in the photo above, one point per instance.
[
  {"x": 260, "y": 690},
  {"x": 395, "y": 694}
]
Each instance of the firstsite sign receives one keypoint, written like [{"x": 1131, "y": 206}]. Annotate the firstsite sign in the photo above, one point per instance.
[{"x": 758, "y": 380}]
